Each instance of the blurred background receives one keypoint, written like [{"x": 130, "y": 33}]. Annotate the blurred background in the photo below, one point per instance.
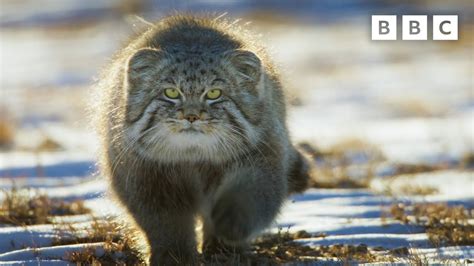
[{"x": 413, "y": 99}]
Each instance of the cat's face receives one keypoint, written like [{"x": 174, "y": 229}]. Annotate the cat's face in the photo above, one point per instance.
[{"x": 183, "y": 107}]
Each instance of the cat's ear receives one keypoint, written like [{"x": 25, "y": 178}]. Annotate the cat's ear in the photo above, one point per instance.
[
  {"x": 141, "y": 69},
  {"x": 247, "y": 64},
  {"x": 143, "y": 64}
]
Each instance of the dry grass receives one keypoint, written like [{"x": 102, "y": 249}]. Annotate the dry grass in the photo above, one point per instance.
[
  {"x": 25, "y": 207},
  {"x": 393, "y": 187},
  {"x": 118, "y": 244},
  {"x": 352, "y": 163},
  {"x": 405, "y": 168},
  {"x": 271, "y": 249},
  {"x": 280, "y": 248},
  {"x": 416, "y": 190},
  {"x": 6, "y": 131},
  {"x": 409, "y": 190},
  {"x": 86, "y": 256},
  {"x": 347, "y": 164},
  {"x": 113, "y": 254},
  {"x": 445, "y": 225},
  {"x": 48, "y": 144},
  {"x": 405, "y": 107}
]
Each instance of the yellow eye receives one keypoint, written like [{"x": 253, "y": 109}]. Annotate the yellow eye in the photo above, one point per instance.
[
  {"x": 213, "y": 94},
  {"x": 172, "y": 93}
]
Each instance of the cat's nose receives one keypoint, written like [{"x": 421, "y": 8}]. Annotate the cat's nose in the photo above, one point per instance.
[{"x": 191, "y": 117}]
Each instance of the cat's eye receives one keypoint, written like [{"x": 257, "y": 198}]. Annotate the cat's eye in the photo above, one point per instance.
[
  {"x": 172, "y": 93},
  {"x": 213, "y": 94}
]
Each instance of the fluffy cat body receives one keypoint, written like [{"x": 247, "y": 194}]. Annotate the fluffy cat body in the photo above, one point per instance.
[{"x": 169, "y": 160}]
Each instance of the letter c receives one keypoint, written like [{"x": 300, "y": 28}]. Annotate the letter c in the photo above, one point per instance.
[{"x": 441, "y": 27}]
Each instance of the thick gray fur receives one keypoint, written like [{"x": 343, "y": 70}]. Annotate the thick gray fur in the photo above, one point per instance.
[{"x": 233, "y": 170}]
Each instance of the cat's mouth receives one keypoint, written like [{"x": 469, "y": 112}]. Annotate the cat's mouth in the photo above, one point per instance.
[
  {"x": 190, "y": 130},
  {"x": 200, "y": 127}
]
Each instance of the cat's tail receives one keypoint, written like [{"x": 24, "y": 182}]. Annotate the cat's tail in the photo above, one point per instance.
[{"x": 299, "y": 174}]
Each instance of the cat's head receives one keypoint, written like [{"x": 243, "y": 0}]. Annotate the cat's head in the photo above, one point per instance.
[{"x": 193, "y": 107}]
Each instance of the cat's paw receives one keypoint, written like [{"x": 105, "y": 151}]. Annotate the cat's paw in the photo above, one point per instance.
[{"x": 232, "y": 220}]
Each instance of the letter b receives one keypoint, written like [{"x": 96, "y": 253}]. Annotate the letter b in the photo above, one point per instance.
[
  {"x": 414, "y": 27},
  {"x": 384, "y": 27}
]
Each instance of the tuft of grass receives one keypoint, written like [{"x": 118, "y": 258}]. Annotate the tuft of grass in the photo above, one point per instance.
[
  {"x": 119, "y": 247},
  {"x": 86, "y": 256},
  {"x": 20, "y": 207},
  {"x": 113, "y": 254},
  {"x": 410, "y": 190},
  {"x": 48, "y": 144},
  {"x": 280, "y": 248},
  {"x": 349, "y": 253},
  {"x": 445, "y": 225},
  {"x": 348, "y": 164},
  {"x": 405, "y": 168}
]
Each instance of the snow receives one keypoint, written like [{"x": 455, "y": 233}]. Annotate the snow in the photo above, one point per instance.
[
  {"x": 49, "y": 254},
  {"x": 374, "y": 240},
  {"x": 461, "y": 184},
  {"x": 345, "y": 216}
]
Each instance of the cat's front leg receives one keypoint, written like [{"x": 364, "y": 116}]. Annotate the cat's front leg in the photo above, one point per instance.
[
  {"x": 171, "y": 237},
  {"x": 167, "y": 218},
  {"x": 247, "y": 202}
]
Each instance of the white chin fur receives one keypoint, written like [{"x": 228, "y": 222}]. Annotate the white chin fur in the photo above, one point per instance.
[
  {"x": 187, "y": 146},
  {"x": 186, "y": 140}
]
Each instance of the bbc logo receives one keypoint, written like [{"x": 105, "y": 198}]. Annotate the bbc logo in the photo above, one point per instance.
[{"x": 414, "y": 27}]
